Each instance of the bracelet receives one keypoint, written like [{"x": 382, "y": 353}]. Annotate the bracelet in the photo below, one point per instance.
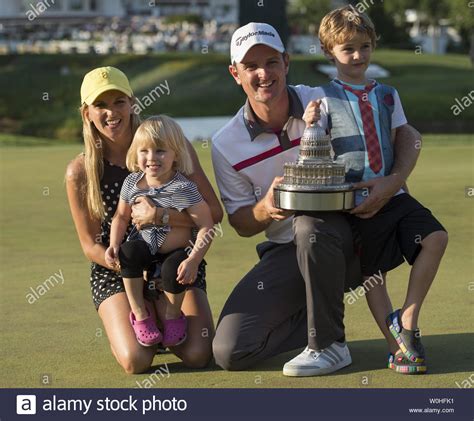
[{"x": 165, "y": 219}]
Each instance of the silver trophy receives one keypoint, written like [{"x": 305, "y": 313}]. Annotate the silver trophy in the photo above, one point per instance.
[{"x": 315, "y": 182}]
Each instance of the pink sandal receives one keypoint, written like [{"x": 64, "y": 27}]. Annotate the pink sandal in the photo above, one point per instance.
[
  {"x": 174, "y": 331},
  {"x": 146, "y": 331}
]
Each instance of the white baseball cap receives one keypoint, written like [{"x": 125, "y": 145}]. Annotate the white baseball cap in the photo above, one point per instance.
[{"x": 245, "y": 37}]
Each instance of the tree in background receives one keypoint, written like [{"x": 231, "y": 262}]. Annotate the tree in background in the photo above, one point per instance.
[
  {"x": 391, "y": 27},
  {"x": 389, "y": 17},
  {"x": 304, "y": 16},
  {"x": 461, "y": 15}
]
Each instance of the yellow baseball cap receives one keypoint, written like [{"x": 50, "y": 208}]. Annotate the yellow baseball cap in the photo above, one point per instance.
[{"x": 103, "y": 79}]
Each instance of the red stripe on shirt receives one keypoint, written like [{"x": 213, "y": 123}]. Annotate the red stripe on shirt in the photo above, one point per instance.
[{"x": 260, "y": 157}]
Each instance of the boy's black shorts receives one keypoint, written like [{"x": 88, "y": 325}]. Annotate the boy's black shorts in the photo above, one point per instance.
[{"x": 394, "y": 233}]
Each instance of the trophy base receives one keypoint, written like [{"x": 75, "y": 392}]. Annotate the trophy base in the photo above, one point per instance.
[{"x": 311, "y": 200}]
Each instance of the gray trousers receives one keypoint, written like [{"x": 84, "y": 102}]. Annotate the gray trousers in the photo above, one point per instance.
[{"x": 292, "y": 297}]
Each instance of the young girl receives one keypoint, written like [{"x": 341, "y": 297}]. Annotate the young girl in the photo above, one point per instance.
[{"x": 159, "y": 161}]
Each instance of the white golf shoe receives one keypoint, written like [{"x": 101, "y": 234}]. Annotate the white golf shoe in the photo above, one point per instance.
[{"x": 317, "y": 363}]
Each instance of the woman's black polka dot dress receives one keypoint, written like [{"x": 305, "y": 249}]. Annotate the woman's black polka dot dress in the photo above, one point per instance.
[{"x": 105, "y": 282}]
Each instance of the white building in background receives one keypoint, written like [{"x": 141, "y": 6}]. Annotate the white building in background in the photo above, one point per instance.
[
  {"x": 19, "y": 9},
  {"x": 432, "y": 39},
  {"x": 222, "y": 11}
]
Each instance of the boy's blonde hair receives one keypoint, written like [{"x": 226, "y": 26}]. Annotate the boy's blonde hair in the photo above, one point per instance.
[
  {"x": 161, "y": 131},
  {"x": 343, "y": 24}
]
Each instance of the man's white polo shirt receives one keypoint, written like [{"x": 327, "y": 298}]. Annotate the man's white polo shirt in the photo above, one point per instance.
[{"x": 246, "y": 157}]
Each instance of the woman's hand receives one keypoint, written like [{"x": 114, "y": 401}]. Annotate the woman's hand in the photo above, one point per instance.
[
  {"x": 144, "y": 212},
  {"x": 111, "y": 258},
  {"x": 312, "y": 114},
  {"x": 187, "y": 271}
]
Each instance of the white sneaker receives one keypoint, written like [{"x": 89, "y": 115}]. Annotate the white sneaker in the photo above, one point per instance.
[{"x": 316, "y": 363}]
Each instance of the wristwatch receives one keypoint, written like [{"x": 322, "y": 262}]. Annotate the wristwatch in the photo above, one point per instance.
[{"x": 165, "y": 218}]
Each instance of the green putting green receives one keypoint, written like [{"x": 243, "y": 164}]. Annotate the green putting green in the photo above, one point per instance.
[{"x": 53, "y": 337}]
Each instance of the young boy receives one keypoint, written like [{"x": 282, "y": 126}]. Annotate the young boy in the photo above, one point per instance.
[{"x": 362, "y": 117}]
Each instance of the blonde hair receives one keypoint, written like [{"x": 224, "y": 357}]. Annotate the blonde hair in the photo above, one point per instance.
[
  {"x": 343, "y": 24},
  {"x": 161, "y": 131},
  {"x": 94, "y": 162}
]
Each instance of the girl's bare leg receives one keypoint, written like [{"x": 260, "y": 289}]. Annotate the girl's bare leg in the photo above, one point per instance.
[
  {"x": 134, "y": 289},
  {"x": 196, "y": 351},
  {"x": 173, "y": 306}
]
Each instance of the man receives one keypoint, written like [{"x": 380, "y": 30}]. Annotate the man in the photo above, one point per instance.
[{"x": 294, "y": 295}]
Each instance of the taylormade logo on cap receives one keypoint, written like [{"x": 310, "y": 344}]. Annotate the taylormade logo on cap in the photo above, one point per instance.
[
  {"x": 254, "y": 33},
  {"x": 239, "y": 40}
]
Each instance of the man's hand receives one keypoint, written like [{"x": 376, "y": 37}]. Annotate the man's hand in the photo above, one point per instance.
[
  {"x": 312, "y": 114},
  {"x": 381, "y": 190},
  {"x": 269, "y": 203},
  {"x": 143, "y": 212}
]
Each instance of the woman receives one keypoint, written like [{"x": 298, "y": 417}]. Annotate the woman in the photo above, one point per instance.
[{"x": 93, "y": 182}]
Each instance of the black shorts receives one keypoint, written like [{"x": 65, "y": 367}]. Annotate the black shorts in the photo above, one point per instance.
[{"x": 393, "y": 234}]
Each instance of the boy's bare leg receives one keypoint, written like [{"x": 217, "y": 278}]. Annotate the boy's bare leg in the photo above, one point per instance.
[
  {"x": 421, "y": 276},
  {"x": 134, "y": 290},
  {"x": 380, "y": 307}
]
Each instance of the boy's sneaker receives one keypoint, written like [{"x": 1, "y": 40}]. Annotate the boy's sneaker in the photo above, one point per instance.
[
  {"x": 316, "y": 363},
  {"x": 408, "y": 340},
  {"x": 403, "y": 365}
]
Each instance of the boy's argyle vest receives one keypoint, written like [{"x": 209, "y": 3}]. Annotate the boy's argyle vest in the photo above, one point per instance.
[{"x": 348, "y": 145}]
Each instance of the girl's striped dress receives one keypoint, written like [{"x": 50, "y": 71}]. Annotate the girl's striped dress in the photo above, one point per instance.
[{"x": 179, "y": 193}]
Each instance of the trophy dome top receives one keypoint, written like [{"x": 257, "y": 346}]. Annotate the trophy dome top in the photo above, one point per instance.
[{"x": 315, "y": 133}]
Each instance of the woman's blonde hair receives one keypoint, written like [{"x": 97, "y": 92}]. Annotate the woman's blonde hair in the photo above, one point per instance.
[
  {"x": 94, "y": 162},
  {"x": 342, "y": 24},
  {"x": 161, "y": 131}
]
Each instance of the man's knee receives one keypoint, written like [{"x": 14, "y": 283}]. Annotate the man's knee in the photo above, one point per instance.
[
  {"x": 227, "y": 354},
  {"x": 222, "y": 351}
]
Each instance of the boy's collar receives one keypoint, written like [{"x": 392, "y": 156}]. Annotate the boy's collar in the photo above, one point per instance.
[
  {"x": 251, "y": 122},
  {"x": 353, "y": 85}
]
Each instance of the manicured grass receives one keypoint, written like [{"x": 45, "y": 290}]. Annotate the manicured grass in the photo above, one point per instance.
[
  {"x": 61, "y": 335},
  {"x": 45, "y": 103}
]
